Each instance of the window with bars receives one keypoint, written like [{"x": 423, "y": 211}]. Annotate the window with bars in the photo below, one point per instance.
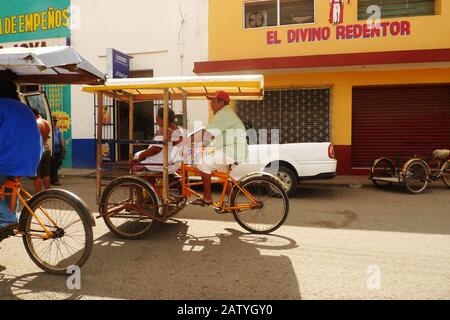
[
  {"x": 397, "y": 8},
  {"x": 300, "y": 115},
  {"x": 268, "y": 13}
]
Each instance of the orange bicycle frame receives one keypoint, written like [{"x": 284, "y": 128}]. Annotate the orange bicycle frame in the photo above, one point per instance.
[
  {"x": 14, "y": 186},
  {"x": 216, "y": 178}
]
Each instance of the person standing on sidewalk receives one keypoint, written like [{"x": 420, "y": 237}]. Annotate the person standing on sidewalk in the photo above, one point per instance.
[
  {"x": 43, "y": 173},
  {"x": 58, "y": 153}
]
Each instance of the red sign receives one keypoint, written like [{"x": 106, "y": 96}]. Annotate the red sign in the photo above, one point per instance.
[{"x": 342, "y": 32}]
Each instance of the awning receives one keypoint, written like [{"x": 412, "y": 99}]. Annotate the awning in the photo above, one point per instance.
[
  {"x": 328, "y": 62},
  {"x": 49, "y": 65},
  {"x": 248, "y": 87}
]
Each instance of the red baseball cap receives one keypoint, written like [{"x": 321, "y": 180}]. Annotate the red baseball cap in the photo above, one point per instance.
[{"x": 219, "y": 95}]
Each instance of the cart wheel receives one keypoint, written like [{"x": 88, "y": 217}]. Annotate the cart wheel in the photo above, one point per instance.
[
  {"x": 416, "y": 177},
  {"x": 446, "y": 174},
  {"x": 273, "y": 210},
  {"x": 127, "y": 205},
  {"x": 382, "y": 168}
]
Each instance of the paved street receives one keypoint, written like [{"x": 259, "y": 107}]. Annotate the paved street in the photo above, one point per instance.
[{"x": 339, "y": 237}]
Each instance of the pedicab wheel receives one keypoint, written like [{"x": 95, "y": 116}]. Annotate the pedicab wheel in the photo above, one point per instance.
[
  {"x": 382, "y": 168},
  {"x": 273, "y": 204},
  {"x": 416, "y": 177},
  {"x": 70, "y": 221},
  {"x": 123, "y": 204},
  {"x": 446, "y": 174}
]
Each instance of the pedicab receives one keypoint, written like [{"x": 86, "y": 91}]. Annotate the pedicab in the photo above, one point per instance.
[
  {"x": 55, "y": 225},
  {"x": 415, "y": 171},
  {"x": 133, "y": 204}
]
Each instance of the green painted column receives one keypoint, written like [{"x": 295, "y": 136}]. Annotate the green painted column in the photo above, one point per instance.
[{"x": 59, "y": 98}]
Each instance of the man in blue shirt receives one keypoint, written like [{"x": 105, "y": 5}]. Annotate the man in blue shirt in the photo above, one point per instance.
[{"x": 20, "y": 146}]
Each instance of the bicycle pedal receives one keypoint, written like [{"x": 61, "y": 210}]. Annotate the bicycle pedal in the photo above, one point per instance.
[
  {"x": 6, "y": 234},
  {"x": 219, "y": 211},
  {"x": 203, "y": 205}
]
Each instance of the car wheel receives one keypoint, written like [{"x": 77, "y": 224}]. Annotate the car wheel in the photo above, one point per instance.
[{"x": 289, "y": 179}]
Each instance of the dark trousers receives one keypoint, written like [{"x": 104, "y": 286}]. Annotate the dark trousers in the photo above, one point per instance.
[{"x": 56, "y": 164}]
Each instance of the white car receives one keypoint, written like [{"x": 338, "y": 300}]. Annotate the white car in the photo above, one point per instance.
[{"x": 292, "y": 162}]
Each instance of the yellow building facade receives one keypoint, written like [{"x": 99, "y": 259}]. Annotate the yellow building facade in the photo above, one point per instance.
[{"x": 372, "y": 76}]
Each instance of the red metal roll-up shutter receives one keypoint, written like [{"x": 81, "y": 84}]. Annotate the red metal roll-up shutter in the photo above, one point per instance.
[{"x": 385, "y": 118}]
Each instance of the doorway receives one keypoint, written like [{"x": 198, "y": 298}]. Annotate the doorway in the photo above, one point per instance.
[{"x": 144, "y": 120}]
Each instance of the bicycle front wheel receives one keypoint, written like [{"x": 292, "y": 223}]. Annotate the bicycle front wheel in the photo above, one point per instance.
[
  {"x": 70, "y": 222},
  {"x": 272, "y": 205},
  {"x": 446, "y": 174}
]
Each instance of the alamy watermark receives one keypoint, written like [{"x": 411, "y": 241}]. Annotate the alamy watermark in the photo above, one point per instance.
[
  {"x": 373, "y": 21},
  {"x": 374, "y": 277},
  {"x": 236, "y": 145},
  {"x": 74, "y": 17},
  {"x": 74, "y": 280}
]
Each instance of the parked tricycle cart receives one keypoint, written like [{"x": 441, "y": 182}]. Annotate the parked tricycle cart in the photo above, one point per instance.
[{"x": 415, "y": 173}]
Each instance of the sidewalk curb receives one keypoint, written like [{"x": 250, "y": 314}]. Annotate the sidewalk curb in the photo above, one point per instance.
[
  {"x": 354, "y": 182},
  {"x": 77, "y": 173},
  {"x": 351, "y": 185}
]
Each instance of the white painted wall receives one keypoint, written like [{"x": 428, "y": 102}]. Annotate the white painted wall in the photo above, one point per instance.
[{"x": 167, "y": 36}]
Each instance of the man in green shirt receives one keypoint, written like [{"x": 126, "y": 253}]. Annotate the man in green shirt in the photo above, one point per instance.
[{"x": 225, "y": 140}]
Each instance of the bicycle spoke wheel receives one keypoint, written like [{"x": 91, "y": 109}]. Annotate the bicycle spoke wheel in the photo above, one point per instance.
[
  {"x": 446, "y": 174},
  {"x": 272, "y": 205},
  {"x": 127, "y": 206},
  {"x": 382, "y": 168},
  {"x": 416, "y": 177},
  {"x": 67, "y": 218}
]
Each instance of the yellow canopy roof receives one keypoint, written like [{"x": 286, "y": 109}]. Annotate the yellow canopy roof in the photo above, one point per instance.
[{"x": 247, "y": 87}]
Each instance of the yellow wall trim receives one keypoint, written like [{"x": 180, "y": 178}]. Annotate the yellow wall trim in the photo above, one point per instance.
[{"x": 229, "y": 40}]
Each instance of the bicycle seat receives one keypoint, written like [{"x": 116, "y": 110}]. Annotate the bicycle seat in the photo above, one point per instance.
[
  {"x": 231, "y": 166},
  {"x": 442, "y": 154}
]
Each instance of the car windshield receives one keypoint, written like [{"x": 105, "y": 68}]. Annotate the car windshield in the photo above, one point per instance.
[{"x": 36, "y": 102}]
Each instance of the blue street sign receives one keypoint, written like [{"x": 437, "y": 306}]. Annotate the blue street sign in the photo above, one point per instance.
[{"x": 118, "y": 64}]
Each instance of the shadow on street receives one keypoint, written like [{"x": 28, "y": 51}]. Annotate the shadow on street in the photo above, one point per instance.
[{"x": 169, "y": 263}]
